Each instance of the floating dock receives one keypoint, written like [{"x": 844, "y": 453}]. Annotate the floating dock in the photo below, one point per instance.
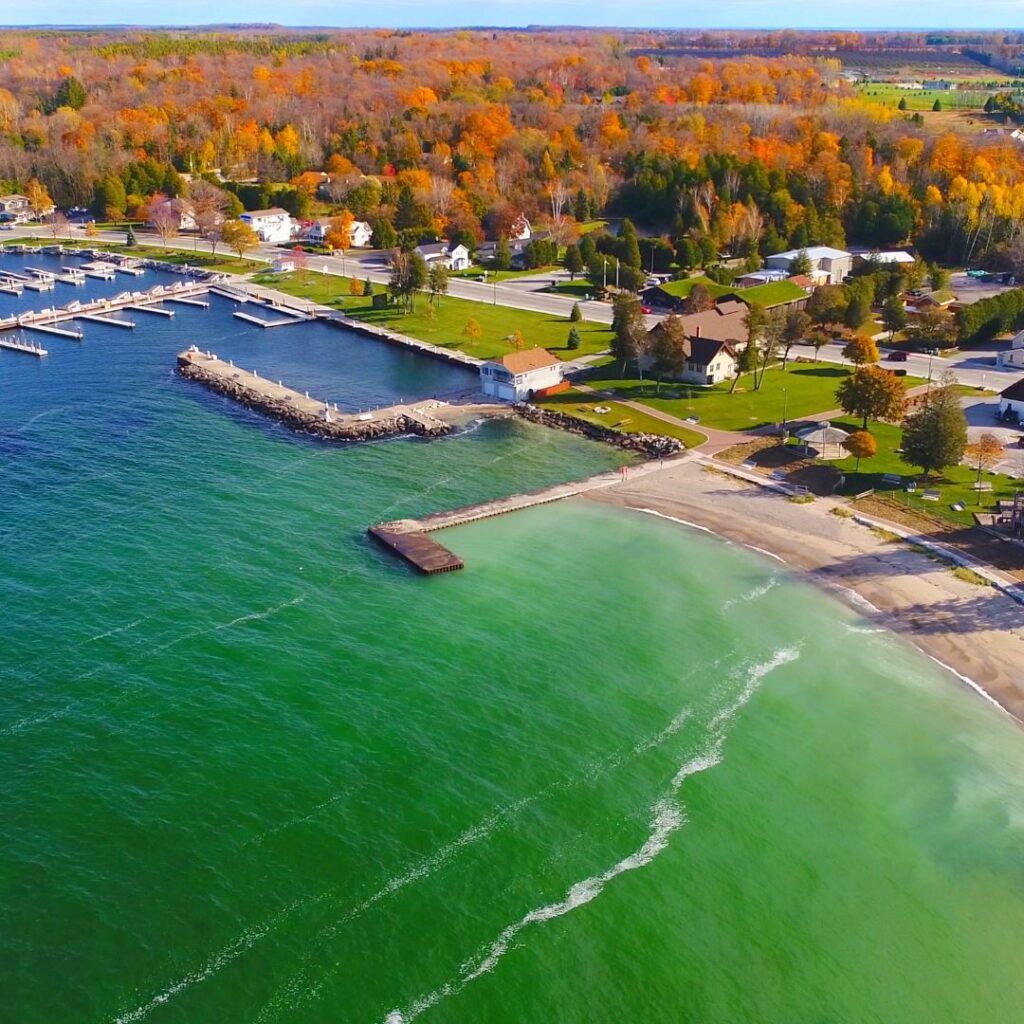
[
  {"x": 287, "y": 322},
  {"x": 14, "y": 345},
  {"x": 201, "y": 303},
  {"x": 110, "y": 321},
  {"x": 155, "y": 310},
  {"x": 75, "y": 335}
]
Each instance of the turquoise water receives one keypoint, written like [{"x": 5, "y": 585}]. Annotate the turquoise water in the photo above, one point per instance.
[{"x": 616, "y": 770}]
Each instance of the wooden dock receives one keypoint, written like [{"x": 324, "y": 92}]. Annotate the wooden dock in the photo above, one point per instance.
[
  {"x": 286, "y": 322},
  {"x": 407, "y": 540}
]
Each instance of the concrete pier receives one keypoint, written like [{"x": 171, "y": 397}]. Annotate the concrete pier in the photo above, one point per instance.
[
  {"x": 286, "y": 322},
  {"x": 306, "y": 414},
  {"x": 110, "y": 321},
  {"x": 155, "y": 310},
  {"x": 74, "y": 335},
  {"x": 418, "y": 548}
]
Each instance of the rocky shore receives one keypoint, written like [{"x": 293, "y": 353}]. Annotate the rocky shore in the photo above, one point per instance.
[{"x": 651, "y": 446}]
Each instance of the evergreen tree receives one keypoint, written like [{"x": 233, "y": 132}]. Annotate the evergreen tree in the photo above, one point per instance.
[
  {"x": 935, "y": 436},
  {"x": 936, "y": 106},
  {"x": 629, "y": 245},
  {"x": 130, "y": 240},
  {"x": 577, "y": 314},
  {"x": 70, "y": 93},
  {"x": 573, "y": 261},
  {"x": 502, "y": 255},
  {"x": 574, "y": 341},
  {"x": 902, "y": 105},
  {"x": 367, "y": 288}
]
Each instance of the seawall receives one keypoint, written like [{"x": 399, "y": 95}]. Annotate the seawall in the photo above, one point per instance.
[
  {"x": 302, "y": 413},
  {"x": 651, "y": 446}
]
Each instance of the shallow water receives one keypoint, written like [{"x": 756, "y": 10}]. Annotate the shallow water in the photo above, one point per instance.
[{"x": 616, "y": 770}]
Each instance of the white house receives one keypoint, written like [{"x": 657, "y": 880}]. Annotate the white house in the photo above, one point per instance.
[
  {"x": 273, "y": 225},
  {"x": 708, "y": 360},
  {"x": 1013, "y": 357},
  {"x": 517, "y": 376},
  {"x": 829, "y": 263},
  {"x": 1011, "y": 399},
  {"x": 359, "y": 233},
  {"x": 283, "y": 265},
  {"x": 15, "y": 208},
  {"x": 456, "y": 258}
]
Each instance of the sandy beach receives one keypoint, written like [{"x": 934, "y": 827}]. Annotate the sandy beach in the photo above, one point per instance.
[{"x": 975, "y": 631}]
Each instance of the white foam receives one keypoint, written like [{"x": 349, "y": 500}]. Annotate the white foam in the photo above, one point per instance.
[
  {"x": 767, "y": 554},
  {"x": 675, "y": 519},
  {"x": 666, "y": 818},
  {"x": 976, "y": 687},
  {"x": 753, "y": 595},
  {"x": 114, "y": 632}
]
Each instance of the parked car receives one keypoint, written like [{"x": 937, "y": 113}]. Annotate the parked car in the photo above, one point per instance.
[
  {"x": 897, "y": 356},
  {"x": 646, "y": 309}
]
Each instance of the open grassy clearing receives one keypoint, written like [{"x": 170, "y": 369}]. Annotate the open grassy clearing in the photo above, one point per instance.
[
  {"x": 618, "y": 417},
  {"x": 798, "y": 392},
  {"x": 445, "y": 326}
]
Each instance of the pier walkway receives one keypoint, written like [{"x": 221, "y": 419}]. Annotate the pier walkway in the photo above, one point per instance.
[
  {"x": 411, "y": 539},
  {"x": 47, "y": 319}
]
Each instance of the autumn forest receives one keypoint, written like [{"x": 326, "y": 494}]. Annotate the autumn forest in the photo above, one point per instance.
[{"x": 430, "y": 135}]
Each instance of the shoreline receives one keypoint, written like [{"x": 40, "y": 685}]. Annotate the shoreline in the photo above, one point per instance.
[{"x": 976, "y": 633}]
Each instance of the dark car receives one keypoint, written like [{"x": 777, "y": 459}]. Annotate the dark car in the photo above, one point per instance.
[{"x": 897, "y": 357}]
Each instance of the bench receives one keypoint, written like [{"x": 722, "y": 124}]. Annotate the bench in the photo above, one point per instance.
[
  {"x": 982, "y": 485},
  {"x": 930, "y": 495}
]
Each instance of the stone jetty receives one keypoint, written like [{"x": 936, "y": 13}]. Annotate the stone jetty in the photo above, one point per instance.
[{"x": 309, "y": 415}]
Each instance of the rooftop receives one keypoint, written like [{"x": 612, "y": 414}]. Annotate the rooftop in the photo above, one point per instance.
[
  {"x": 1015, "y": 392},
  {"x": 527, "y": 360},
  {"x": 274, "y": 211},
  {"x": 814, "y": 252}
]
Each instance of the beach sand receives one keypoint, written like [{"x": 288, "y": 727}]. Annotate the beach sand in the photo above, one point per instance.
[{"x": 976, "y": 631}]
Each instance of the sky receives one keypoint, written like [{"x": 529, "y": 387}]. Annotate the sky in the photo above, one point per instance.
[{"x": 916, "y": 14}]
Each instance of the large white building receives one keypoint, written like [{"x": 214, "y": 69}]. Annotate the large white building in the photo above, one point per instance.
[
  {"x": 516, "y": 377},
  {"x": 273, "y": 225},
  {"x": 828, "y": 265},
  {"x": 15, "y": 208},
  {"x": 1013, "y": 357}
]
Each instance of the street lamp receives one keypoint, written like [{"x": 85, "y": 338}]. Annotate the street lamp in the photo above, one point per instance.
[
  {"x": 604, "y": 280},
  {"x": 785, "y": 404}
]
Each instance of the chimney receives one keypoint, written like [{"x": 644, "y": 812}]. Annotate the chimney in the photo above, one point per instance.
[{"x": 697, "y": 335}]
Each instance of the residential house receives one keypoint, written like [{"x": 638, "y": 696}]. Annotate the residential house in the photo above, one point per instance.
[
  {"x": 932, "y": 300},
  {"x": 455, "y": 258},
  {"x": 1013, "y": 357},
  {"x": 830, "y": 266},
  {"x": 15, "y": 208},
  {"x": 274, "y": 225},
  {"x": 1011, "y": 399},
  {"x": 518, "y": 376},
  {"x": 359, "y": 232},
  {"x": 708, "y": 360}
]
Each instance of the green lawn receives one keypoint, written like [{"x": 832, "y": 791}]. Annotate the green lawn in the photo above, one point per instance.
[
  {"x": 578, "y": 289},
  {"x": 954, "y": 484},
  {"x": 501, "y": 275},
  {"x": 620, "y": 417},
  {"x": 800, "y": 391},
  {"x": 772, "y": 294},
  {"x": 681, "y": 289},
  {"x": 497, "y": 323}
]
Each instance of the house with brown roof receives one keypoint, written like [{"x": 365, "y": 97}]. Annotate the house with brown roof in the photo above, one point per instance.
[
  {"x": 708, "y": 360},
  {"x": 517, "y": 376}
]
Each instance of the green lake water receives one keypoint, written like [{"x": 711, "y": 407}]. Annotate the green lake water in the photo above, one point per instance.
[{"x": 255, "y": 770}]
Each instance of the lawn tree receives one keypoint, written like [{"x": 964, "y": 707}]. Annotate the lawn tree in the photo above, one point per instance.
[
  {"x": 933, "y": 328},
  {"x": 861, "y": 444},
  {"x": 935, "y": 434},
  {"x": 629, "y": 335},
  {"x": 894, "y": 315},
  {"x": 699, "y": 300},
  {"x": 794, "y": 330},
  {"x": 384, "y": 234},
  {"x": 472, "y": 330},
  {"x": 165, "y": 217},
  {"x": 668, "y": 348},
  {"x": 39, "y": 200},
  {"x": 576, "y": 314},
  {"x": 368, "y": 287},
  {"x": 355, "y": 287},
  {"x": 574, "y": 341},
  {"x": 861, "y": 350},
  {"x": 339, "y": 234},
  {"x": 573, "y": 261},
  {"x": 872, "y": 392},
  {"x": 827, "y": 304},
  {"x": 984, "y": 453},
  {"x": 749, "y": 357},
  {"x": 819, "y": 338},
  {"x": 58, "y": 224},
  {"x": 130, "y": 241},
  {"x": 502, "y": 255},
  {"x": 939, "y": 278},
  {"x": 408, "y": 276},
  {"x": 438, "y": 282},
  {"x": 92, "y": 230},
  {"x": 239, "y": 236},
  {"x": 209, "y": 208},
  {"x": 517, "y": 341},
  {"x": 772, "y": 338}
]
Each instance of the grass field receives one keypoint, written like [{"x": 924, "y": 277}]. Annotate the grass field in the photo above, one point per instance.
[
  {"x": 953, "y": 484},
  {"x": 497, "y": 276},
  {"x": 800, "y": 391},
  {"x": 619, "y": 417},
  {"x": 923, "y": 99},
  {"x": 445, "y": 326}
]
